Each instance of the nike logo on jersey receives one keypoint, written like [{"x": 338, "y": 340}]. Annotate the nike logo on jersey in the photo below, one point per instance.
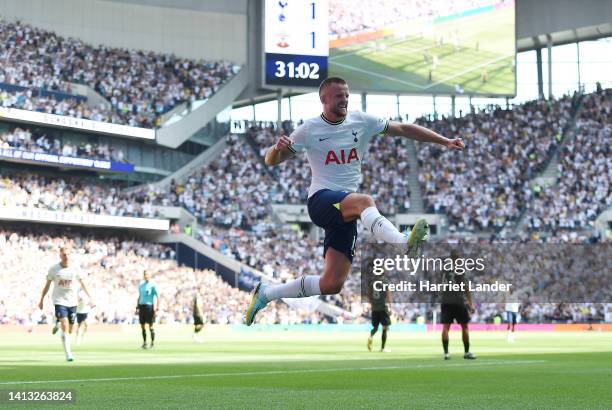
[{"x": 323, "y": 139}]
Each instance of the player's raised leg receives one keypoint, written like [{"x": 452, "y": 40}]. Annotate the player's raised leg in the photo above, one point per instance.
[
  {"x": 361, "y": 206},
  {"x": 337, "y": 266}
]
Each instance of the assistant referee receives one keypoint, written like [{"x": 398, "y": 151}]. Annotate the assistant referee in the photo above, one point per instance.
[{"x": 147, "y": 295}]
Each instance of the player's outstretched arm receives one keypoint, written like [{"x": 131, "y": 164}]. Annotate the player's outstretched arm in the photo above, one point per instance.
[
  {"x": 44, "y": 293},
  {"x": 279, "y": 152},
  {"x": 422, "y": 134}
]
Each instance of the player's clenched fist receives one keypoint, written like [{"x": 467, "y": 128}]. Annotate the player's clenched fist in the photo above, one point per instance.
[
  {"x": 282, "y": 144},
  {"x": 456, "y": 144}
]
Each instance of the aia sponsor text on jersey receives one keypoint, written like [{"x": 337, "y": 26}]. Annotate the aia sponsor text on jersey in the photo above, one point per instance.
[{"x": 343, "y": 158}]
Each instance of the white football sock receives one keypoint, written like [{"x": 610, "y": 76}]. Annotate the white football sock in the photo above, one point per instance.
[
  {"x": 381, "y": 227},
  {"x": 297, "y": 288},
  {"x": 66, "y": 343}
]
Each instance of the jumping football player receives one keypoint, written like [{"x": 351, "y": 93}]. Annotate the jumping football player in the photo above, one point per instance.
[{"x": 335, "y": 143}]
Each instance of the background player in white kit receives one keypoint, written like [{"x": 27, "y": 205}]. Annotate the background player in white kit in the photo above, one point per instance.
[
  {"x": 512, "y": 309},
  {"x": 82, "y": 312},
  {"x": 512, "y": 306},
  {"x": 335, "y": 143},
  {"x": 66, "y": 279}
]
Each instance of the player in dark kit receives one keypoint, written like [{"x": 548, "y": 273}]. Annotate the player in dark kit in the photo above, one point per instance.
[
  {"x": 456, "y": 305},
  {"x": 380, "y": 315},
  {"x": 198, "y": 318}
]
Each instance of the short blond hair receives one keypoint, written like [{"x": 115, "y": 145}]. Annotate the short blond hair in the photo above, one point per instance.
[{"x": 328, "y": 81}]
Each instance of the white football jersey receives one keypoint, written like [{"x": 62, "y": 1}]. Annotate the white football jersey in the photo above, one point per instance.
[
  {"x": 512, "y": 307},
  {"x": 65, "y": 284},
  {"x": 335, "y": 150},
  {"x": 83, "y": 306}
]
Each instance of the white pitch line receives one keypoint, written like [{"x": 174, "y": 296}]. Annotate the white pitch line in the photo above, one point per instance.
[
  {"x": 386, "y": 77},
  {"x": 273, "y": 372}
]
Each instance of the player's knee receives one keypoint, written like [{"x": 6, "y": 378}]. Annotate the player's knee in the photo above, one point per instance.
[
  {"x": 359, "y": 202},
  {"x": 330, "y": 287},
  {"x": 366, "y": 201}
]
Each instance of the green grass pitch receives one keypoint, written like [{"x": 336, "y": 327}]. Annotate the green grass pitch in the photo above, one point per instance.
[
  {"x": 402, "y": 65},
  {"x": 254, "y": 369}
]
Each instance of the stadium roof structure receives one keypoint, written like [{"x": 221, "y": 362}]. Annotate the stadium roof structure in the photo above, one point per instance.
[{"x": 561, "y": 22}]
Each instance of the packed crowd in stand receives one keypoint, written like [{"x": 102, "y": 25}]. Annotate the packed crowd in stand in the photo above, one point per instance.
[
  {"x": 68, "y": 194},
  {"x": 486, "y": 186},
  {"x": 113, "y": 267},
  {"x": 583, "y": 189},
  {"x": 231, "y": 191},
  {"x": 37, "y": 140},
  {"x": 140, "y": 85}
]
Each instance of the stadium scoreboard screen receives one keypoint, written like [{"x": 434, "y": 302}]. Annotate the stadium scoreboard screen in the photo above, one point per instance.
[
  {"x": 393, "y": 46},
  {"x": 296, "y": 42}
]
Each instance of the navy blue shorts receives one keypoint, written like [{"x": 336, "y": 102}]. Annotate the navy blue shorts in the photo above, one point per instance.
[
  {"x": 65, "y": 311},
  {"x": 511, "y": 317},
  {"x": 81, "y": 317},
  {"x": 324, "y": 211}
]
